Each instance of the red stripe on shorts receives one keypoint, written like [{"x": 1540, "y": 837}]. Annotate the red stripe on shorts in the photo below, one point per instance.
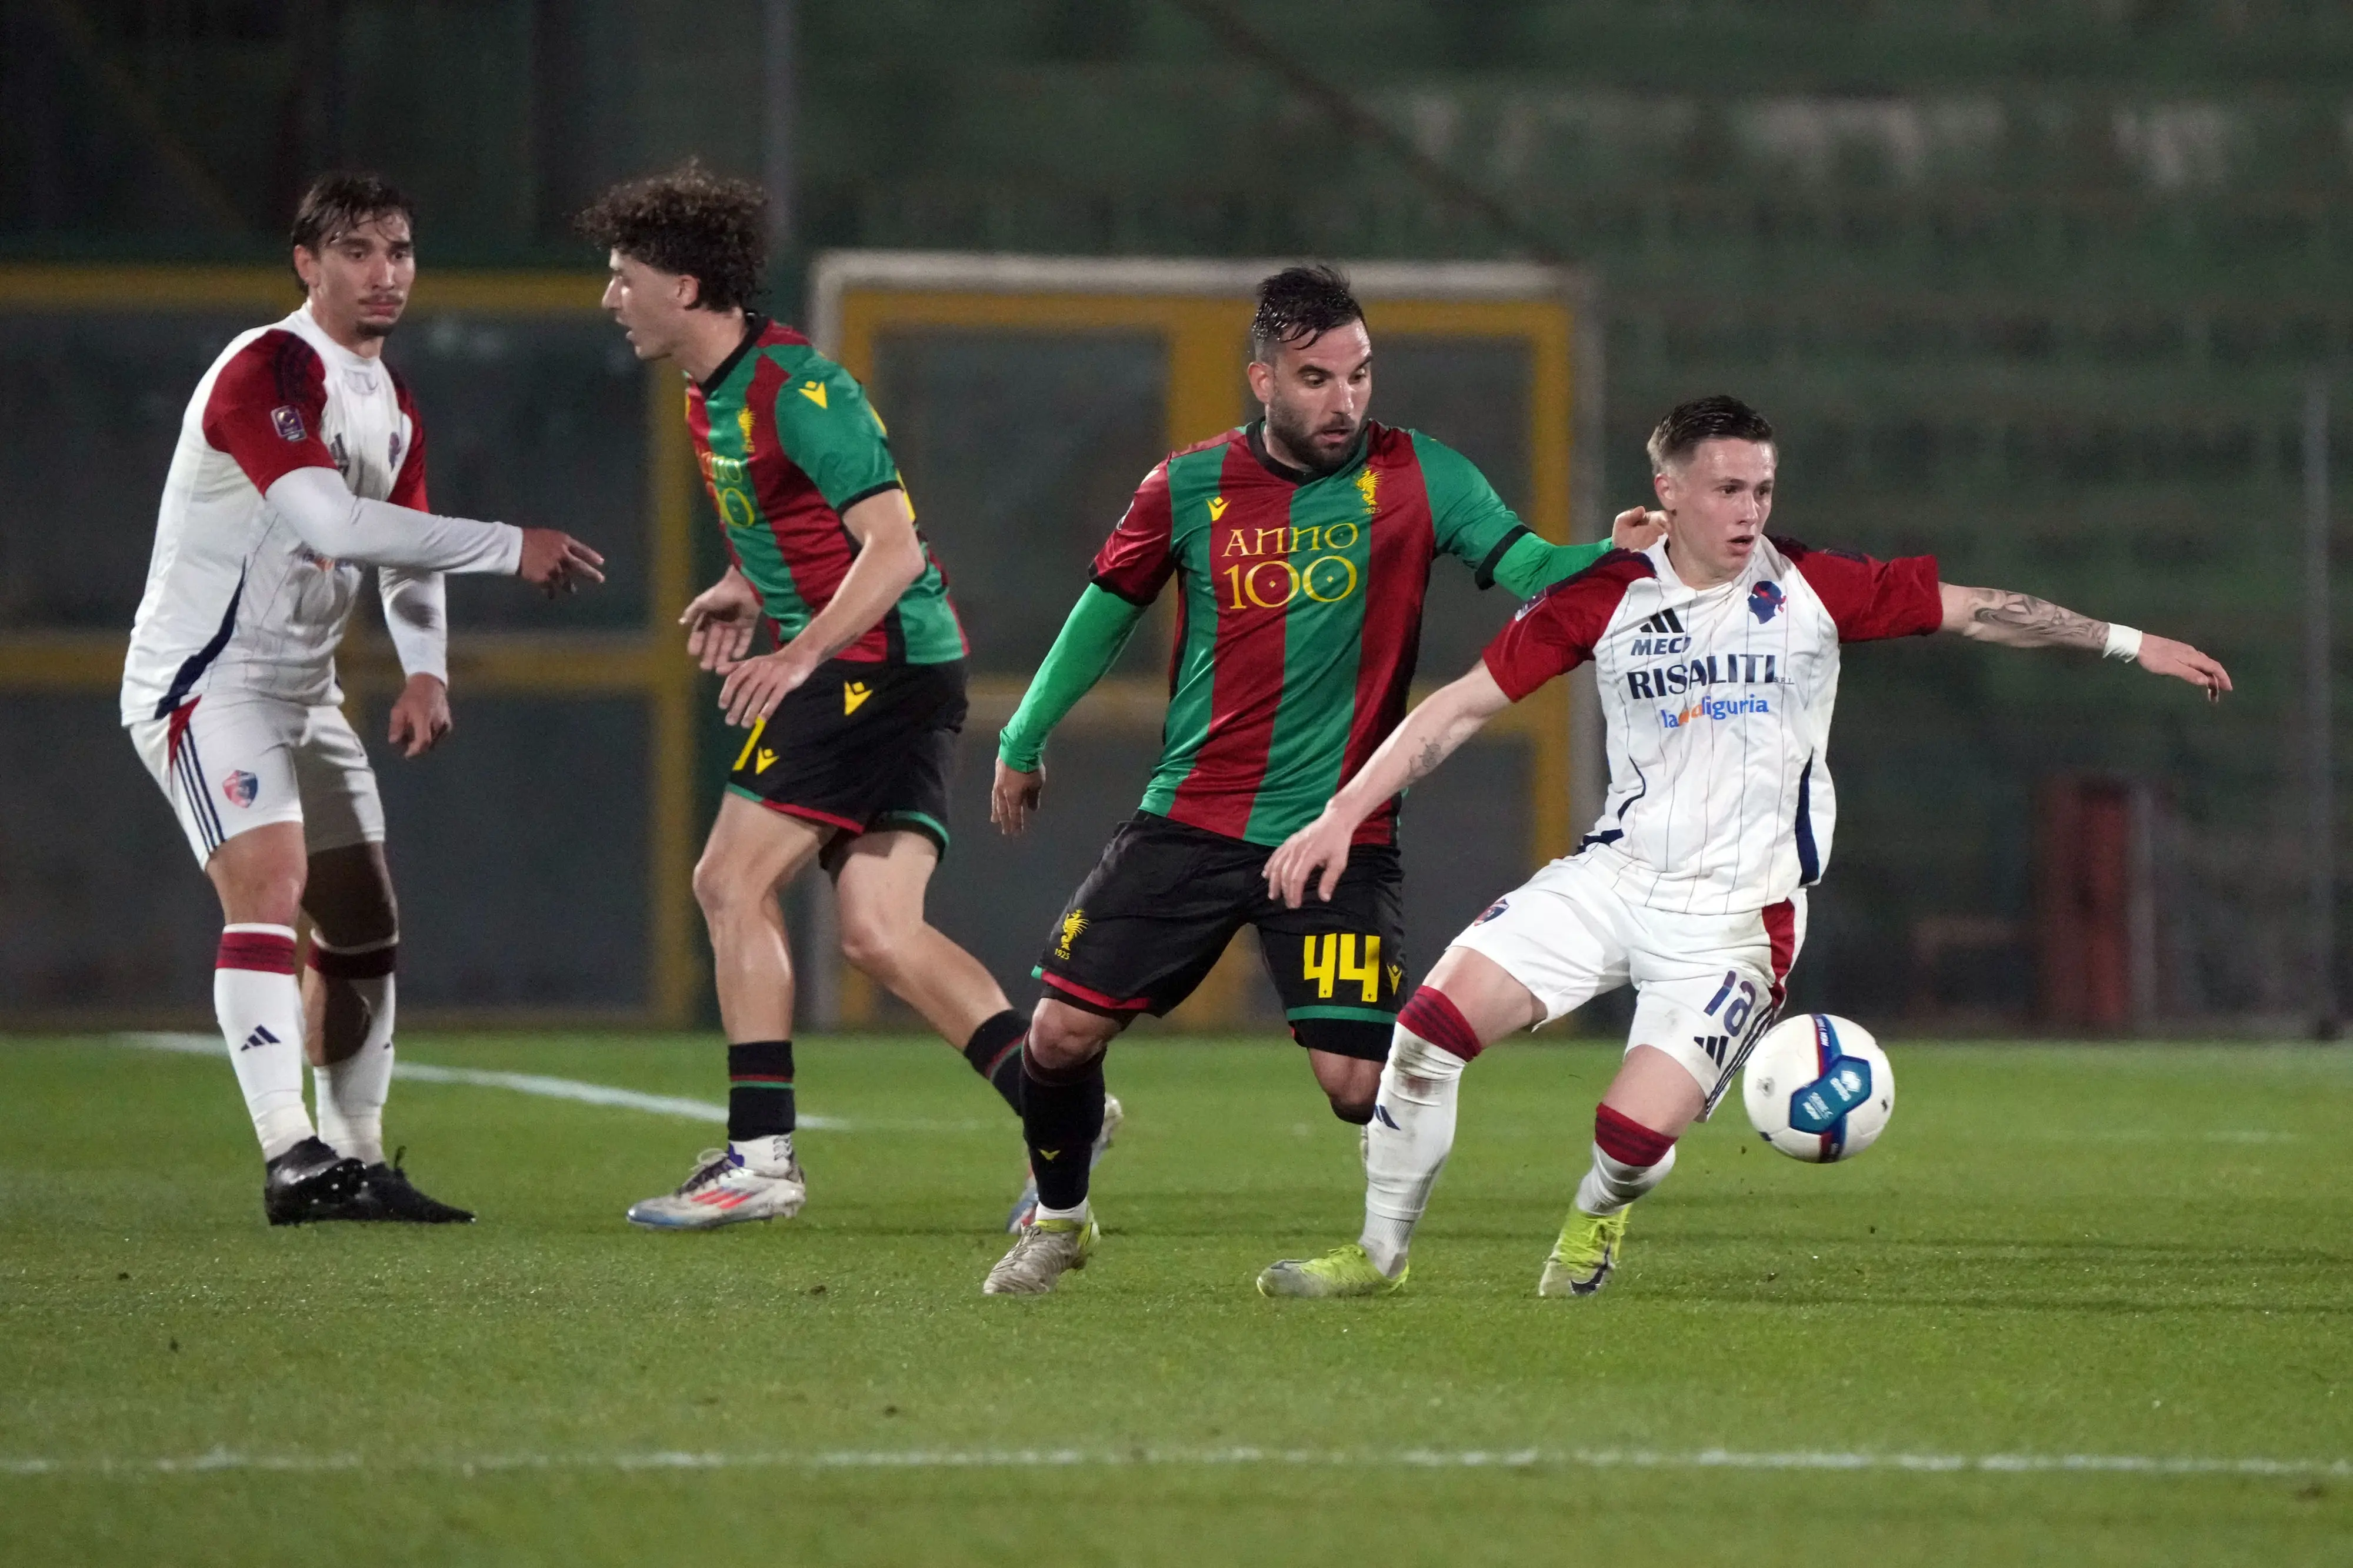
[{"x": 1781, "y": 931}]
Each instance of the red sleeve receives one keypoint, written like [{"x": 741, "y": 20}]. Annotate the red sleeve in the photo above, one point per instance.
[
  {"x": 1135, "y": 560},
  {"x": 267, "y": 407},
  {"x": 1871, "y": 599},
  {"x": 408, "y": 476},
  {"x": 1556, "y": 631}
]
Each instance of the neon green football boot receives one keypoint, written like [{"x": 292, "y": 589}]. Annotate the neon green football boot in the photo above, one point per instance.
[
  {"x": 1342, "y": 1271},
  {"x": 1583, "y": 1257}
]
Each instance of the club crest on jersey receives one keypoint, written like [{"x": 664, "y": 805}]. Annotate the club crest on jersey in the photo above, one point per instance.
[
  {"x": 395, "y": 451},
  {"x": 1765, "y": 601},
  {"x": 287, "y": 420},
  {"x": 241, "y": 787}
]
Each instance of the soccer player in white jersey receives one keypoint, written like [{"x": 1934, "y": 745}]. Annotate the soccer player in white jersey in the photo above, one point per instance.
[
  {"x": 301, "y": 462},
  {"x": 1717, "y": 655}
]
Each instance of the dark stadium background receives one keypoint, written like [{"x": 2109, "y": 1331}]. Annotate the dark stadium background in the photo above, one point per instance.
[{"x": 2044, "y": 288}]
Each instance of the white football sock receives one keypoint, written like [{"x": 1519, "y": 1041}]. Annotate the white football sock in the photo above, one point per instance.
[
  {"x": 1406, "y": 1144},
  {"x": 1078, "y": 1214},
  {"x": 352, "y": 1092},
  {"x": 769, "y": 1156},
  {"x": 260, "y": 1006},
  {"x": 1612, "y": 1183}
]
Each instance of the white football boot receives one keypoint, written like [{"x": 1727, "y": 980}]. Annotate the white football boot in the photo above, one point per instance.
[
  {"x": 1048, "y": 1249},
  {"x": 724, "y": 1190},
  {"x": 1025, "y": 1207}
]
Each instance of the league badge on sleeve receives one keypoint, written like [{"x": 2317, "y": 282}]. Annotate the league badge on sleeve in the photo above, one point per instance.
[{"x": 287, "y": 420}]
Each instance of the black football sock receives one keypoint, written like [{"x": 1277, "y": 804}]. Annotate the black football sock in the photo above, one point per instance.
[
  {"x": 1061, "y": 1115},
  {"x": 759, "y": 1089},
  {"x": 994, "y": 1053}
]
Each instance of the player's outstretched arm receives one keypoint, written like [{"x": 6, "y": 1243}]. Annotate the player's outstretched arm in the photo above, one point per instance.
[
  {"x": 1534, "y": 564},
  {"x": 1089, "y": 643},
  {"x": 336, "y": 523},
  {"x": 720, "y": 621},
  {"x": 889, "y": 557},
  {"x": 2022, "y": 620},
  {"x": 1452, "y": 715}
]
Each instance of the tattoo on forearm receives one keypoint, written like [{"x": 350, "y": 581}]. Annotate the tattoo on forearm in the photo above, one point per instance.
[
  {"x": 1426, "y": 760},
  {"x": 2028, "y": 622}
]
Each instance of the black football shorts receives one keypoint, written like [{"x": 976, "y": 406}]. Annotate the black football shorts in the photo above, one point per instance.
[
  {"x": 860, "y": 748},
  {"x": 1158, "y": 910}
]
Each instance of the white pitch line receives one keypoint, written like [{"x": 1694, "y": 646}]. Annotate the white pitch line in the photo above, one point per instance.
[
  {"x": 220, "y": 1460},
  {"x": 571, "y": 1088}
]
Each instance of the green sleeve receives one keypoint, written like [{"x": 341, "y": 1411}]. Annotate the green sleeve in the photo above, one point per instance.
[
  {"x": 831, "y": 432},
  {"x": 1529, "y": 564},
  {"x": 1470, "y": 520},
  {"x": 1091, "y": 641}
]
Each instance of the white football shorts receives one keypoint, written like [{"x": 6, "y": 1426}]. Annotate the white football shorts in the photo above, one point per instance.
[
  {"x": 230, "y": 766},
  {"x": 1706, "y": 986}
]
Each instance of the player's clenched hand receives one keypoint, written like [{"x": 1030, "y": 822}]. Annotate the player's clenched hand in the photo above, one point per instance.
[
  {"x": 554, "y": 561},
  {"x": 1637, "y": 529},
  {"x": 421, "y": 717},
  {"x": 1320, "y": 847},
  {"x": 1014, "y": 796},
  {"x": 2163, "y": 656},
  {"x": 755, "y": 686},
  {"x": 720, "y": 622}
]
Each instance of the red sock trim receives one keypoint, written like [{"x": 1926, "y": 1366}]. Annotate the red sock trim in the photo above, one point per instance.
[
  {"x": 1626, "y": 1141},
  {"x": 1431, "y": 1016},
  {"x": 256, "y": 949},
  {"x": 367, "y": 965}
]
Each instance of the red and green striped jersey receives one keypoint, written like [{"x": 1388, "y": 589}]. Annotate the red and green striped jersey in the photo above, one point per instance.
[
  {"x": 787, "y": 443},
  {"x": 1300, "y": 615}
]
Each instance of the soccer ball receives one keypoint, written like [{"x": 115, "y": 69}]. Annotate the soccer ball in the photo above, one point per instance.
[{"x": 1819, "y": 1088}]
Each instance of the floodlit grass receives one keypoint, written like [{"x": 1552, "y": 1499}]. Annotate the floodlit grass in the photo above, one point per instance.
[{"x": 2144, "y": 1253}]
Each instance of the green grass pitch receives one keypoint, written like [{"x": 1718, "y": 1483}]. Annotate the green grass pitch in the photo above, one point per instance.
[{"x": 2132, "y": 1254}]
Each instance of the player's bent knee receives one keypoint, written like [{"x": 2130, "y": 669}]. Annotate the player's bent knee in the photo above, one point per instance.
[
  {"x": 1063, "y": 1038},
  {"x": 1355, "y": 1112},
  {"x": 873, "y": 947},
  {"x": 260, "y": 876}
]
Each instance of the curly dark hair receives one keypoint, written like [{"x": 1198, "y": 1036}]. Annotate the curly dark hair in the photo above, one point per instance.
[
  {"x": 1717, "y": 418},
  {"x": 1301, "y": 304},
  {"x": 692, "y": 223},
  {"x": 340, "y": 201}
]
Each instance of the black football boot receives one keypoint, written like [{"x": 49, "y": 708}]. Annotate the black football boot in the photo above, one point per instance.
[
  {"x": 309, "y": 1181},
  {"x": 385, "y": 1193}
]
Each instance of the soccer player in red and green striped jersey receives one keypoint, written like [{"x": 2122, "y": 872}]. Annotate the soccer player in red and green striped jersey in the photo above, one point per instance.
[
  {"x": 852, "y": 718},
  {"x": 1300, "y": 547}
]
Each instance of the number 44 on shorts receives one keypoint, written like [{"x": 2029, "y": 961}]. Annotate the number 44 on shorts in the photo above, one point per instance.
[{"x": 1333, "y": 961}]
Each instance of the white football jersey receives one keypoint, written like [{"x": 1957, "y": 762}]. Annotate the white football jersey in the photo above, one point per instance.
[
  {"x": 234, "y": 600},
  {"x": 1718, "y": 706}
]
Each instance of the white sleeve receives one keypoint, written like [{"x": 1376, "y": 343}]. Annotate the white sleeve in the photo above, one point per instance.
[
  {"x": 335, "y": 522},
  {"x": 416, "y": 613}
]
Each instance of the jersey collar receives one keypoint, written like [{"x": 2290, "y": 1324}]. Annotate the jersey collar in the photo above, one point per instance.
[
  {"x": 1255, "y": 433},
  {"x": 755, "y": 327},
  {"x": 306, "y": 327}
]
